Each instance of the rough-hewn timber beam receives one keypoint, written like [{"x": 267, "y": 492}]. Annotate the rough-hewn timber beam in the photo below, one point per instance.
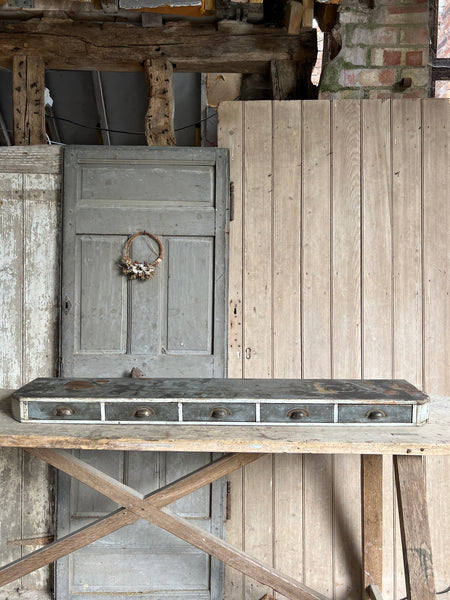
[
  {"x": 190, "y": 47},
  {"x": 28, "y": 100},
  {"x": 159, "y": 117}
]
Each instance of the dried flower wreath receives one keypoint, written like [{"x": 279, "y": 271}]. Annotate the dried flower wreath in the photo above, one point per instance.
[{"x": 140, "y": 270}]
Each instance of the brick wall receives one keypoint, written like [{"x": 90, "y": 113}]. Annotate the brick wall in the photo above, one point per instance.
[{"x": 382, "y": 46}]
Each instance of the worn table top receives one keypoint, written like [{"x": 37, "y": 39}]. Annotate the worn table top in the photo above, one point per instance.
[{"x": 432, "y": 438}]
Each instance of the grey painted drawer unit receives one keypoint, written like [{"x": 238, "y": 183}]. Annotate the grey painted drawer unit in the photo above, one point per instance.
[{"x": 288, "y": 402}]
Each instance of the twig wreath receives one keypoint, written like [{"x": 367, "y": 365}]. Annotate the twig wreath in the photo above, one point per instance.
[{"x": 136, "y": 269}]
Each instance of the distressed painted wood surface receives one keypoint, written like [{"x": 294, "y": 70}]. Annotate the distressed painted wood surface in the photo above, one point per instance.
[
  {"x": 29, "y": 297},
  {"x": 433, "y": 438},
  {"x": 420, "y": 321},
  {"x": 374, "y": 304}
]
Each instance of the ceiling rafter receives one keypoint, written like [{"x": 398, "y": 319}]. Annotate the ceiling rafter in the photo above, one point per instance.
[{"x": 189, "y": 47}]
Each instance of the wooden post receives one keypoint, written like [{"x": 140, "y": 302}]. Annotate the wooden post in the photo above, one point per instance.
[
  {"x": 160, "y": 112},
  {"x": 372, "y": 520},
  {"x": 414, "y": 527},
  {"x": 28, "y": 100},
  {"x": 284, "y": 79}
]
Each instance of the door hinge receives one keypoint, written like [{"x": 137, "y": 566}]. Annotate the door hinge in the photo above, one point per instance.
[
  {"x": 231, "y": 200},
  {"x": 228, "y": 502}
]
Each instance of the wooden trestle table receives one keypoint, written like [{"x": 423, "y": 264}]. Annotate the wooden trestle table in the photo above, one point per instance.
[{"x": 242, "y": 445}]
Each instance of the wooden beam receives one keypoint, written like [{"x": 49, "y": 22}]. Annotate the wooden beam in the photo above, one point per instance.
[
  {"x": 28, "y": 100},
  {"x": 414, "y": 527},
  {"x": 121, "y": 517},
  {"x": 372, "y": 520},
  {"x": 308, "y": 13},
  {"x": 190, "y": 47},
  {"x": 293, "y": 14},
  {"x": 284, "y": 79},
  {"x": 196, "y": 536},
  {"x": 161, "y": 104}
]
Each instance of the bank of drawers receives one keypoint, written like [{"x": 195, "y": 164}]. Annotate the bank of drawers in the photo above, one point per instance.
[{"x": 225, "y": 412}]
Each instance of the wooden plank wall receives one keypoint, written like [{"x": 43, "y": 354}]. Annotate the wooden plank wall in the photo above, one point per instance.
[
  {"x": 29, "y": 290},
  {"x": 338, "y": 267},
  {"x": 339, "y": 261}
]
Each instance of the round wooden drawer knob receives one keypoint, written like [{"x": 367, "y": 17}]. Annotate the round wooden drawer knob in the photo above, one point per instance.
[
  {"x": 143, "y": 412},
  {"x": 376, "y": 415},
  {"x": 64, "y": 411},
  {"x": 220, "y": 412},
  {"x": 297, "y": 414}
]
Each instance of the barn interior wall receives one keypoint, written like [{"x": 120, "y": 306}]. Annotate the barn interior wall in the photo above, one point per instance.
[
  {"x": 338, "y": 258},
  {"x": 339, "y": 254}
]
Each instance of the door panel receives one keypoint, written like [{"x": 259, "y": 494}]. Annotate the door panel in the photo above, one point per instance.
[{"x": 172, "y": 325}]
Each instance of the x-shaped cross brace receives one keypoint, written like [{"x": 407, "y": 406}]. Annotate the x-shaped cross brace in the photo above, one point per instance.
[{"x": 151, "y": 507}]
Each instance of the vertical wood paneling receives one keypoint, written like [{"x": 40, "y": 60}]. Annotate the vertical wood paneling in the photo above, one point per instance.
[
  {"x": 11, "y": 260},
  {"x": 407, "y": 264},
  {"x": 316, "y": 318},
  {"x": 257, "y": 318},
  {"x": 376, "y": 240},
  {"x": 369, "y": 289},
  {"x": 407, "y": 240},
  {"x": 231, "y": 135},
  {"x": 346, "y": 333},
  {"x": 287, "y": 473},
  {"x": 436, "y": 207},
  {"x": 257, "y": 192},
  {"x": 436, "y": 224},
  {"x": 29, "y": 300}
]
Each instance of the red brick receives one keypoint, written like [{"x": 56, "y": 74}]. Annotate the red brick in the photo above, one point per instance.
[
  {"x": 416, "y": 94},
  {"x": 414, "y": 59},
  {"x": 387, "y": 76},
  {"x": 392, "y": 58},
  {"x": 415, "y": 36},
  {"x": 396, "y": 10}
]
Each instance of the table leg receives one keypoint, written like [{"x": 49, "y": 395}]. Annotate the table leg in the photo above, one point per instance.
[
  {"x": 372, "y": 520},
  {"x": 414, "y": 527}
]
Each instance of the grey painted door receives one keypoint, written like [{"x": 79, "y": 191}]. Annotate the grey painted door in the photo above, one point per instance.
[{"x": 172, "y": 325}]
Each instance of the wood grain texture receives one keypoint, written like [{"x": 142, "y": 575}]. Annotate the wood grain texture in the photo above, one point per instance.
[
  {"x": 436, "y": 257},
  {"x": 415, "y": 528},
  {"x": 376, "y": 239},
  {"x": 136, "y": 503},
  {"x": 121, "y": 517},
  {"x": 431, "y": 439},
  {"x": 159, "y": 117},
  {"x": 190, "y": 47},
  {"x": 436, "y": 244},
  {"x": 316, "y": 330},
  {"x": 28, "y": 100},
  {"x": 372, "y": 520},
  {"x": 346, "y": 333},
  {"x": 407, "y": 240}
]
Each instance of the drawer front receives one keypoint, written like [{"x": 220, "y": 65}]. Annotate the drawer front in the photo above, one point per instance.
[
  {"x": 216, "y": 412},
  {"x": 142, "y": 411},
  {"x": 297, "y": 413},
  {"x": 381, "y": 413},
  {"x": 66, "y": 411}
]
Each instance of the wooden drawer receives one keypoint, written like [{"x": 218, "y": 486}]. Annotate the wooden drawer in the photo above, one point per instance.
[
  {"x": 141, "y": 411},
  {"x": 297, "y": 413},
  {"x": 215, "y": 412},
  {"x": 381, "y": 413},
  {"x": 70, "y": 411}
]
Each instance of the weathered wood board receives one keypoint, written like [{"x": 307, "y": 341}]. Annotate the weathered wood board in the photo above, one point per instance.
[
  {"x": 212, "y": 401},
  {"x": 371, "y": 184},
  {"x": 420, "y": 328},
  {"x": 30, "y": 229}
]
